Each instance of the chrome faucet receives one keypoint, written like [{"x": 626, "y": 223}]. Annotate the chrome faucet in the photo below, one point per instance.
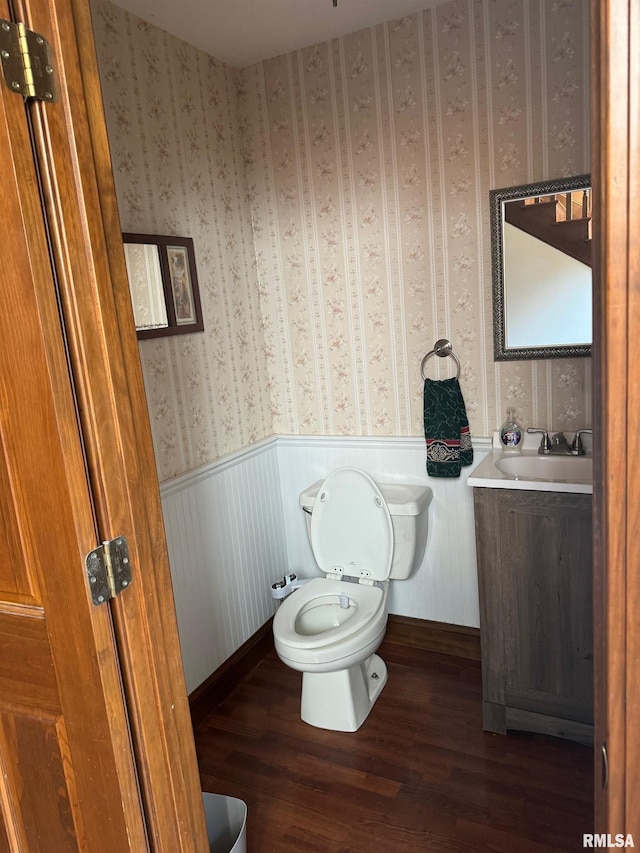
[
  {"x": 558, "y": 445},
  {"x": 577, "y": 448},
  {"x": 545, "y": 441}
]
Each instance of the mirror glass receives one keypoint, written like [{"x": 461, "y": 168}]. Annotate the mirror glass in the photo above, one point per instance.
[
  {"x": 145, "y": 284},
  {"x": 541, "y": 256},
  {"x": 164, "y": 284}
]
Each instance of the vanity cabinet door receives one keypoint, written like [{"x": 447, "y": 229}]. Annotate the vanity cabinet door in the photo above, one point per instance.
[{"x": 535, "y": 576}]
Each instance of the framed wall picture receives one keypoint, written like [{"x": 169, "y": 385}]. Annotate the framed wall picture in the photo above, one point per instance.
[{"x": 164, "y": 284}]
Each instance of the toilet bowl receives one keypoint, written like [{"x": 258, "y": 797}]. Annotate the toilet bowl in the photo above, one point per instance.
[
  {"x": 319, "y": 632},
  {"x": 329, "y": 629}
]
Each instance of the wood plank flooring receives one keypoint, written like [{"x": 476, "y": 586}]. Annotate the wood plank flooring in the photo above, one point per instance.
[{"x": 420, "y": 775}]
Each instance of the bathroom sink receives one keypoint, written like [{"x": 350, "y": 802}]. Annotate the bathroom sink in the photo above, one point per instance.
[
  {"x": 533, "y": 466},
  {"x": 533, "y": 471}
]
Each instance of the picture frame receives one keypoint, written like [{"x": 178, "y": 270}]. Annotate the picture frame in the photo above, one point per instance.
[{"x": 163, "y": 282}]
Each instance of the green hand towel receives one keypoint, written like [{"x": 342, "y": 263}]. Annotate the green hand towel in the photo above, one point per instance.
[{"x": 446, "y": 428}]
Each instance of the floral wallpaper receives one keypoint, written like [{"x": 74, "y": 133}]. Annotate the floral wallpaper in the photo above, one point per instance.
[
  {"x": 174, "y": 130},
  {"x": 338, "y": 199}
]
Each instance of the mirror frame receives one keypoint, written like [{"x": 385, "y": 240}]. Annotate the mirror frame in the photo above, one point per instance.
[
  {"x": 174, "y": 326},
  {"x": 496, "y": 199}
]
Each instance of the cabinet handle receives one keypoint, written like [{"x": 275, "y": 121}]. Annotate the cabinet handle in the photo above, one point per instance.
[{"x": 605, "y": 766}]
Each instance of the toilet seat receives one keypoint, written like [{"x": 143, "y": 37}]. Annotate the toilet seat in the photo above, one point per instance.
[
  {"x": 369, "y": 601},
  {"x": 351, "y": 529}
]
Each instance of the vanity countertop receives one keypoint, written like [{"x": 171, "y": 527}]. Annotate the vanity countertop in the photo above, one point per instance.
[{"x": 533, "y": 472}]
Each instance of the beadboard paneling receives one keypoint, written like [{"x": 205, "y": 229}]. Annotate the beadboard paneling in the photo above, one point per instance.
[
  {"x": 226, "y": 540},
  {"x": 235, "y": 526}
]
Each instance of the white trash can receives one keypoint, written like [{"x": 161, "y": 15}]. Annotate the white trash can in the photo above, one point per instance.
[{"x": 226, "y": 823}]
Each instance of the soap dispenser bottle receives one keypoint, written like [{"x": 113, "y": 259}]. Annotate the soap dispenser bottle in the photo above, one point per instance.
[{"x": 511, "y": 432}]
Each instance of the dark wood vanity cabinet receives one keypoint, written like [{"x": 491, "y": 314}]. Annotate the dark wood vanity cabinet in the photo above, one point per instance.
[{"x": 536, "y": 627}]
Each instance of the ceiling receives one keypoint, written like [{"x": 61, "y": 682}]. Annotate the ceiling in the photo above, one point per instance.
[{"x": 242, "y": 32}]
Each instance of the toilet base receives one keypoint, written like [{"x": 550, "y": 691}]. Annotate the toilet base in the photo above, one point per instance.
[{"x": 340, "y": 701}]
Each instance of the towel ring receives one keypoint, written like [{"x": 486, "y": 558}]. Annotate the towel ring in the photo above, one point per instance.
[{"x": 441, "y": 348}]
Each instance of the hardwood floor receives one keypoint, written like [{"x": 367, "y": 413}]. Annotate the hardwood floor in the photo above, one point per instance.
[{"x": 420, "y": 775}]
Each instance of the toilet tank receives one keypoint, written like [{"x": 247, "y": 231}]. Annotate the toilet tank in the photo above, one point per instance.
[{"x": 408, "y": 507}]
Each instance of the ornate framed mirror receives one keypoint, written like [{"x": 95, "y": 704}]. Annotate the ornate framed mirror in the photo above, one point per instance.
[{"x": 541, "y": 261}]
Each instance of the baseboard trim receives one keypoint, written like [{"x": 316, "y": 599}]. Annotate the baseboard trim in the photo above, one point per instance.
[
  {"x": 215, "y": 689},
  {"x": 457, "y": 640}
]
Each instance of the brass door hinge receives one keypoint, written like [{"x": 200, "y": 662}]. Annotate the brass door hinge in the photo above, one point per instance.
[
  {"x": 26, "y": 62},
  {"x": 108, "y": 569}
]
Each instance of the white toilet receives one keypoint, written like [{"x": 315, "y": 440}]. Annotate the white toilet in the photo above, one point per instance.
[{"x": 362, "y": 535}]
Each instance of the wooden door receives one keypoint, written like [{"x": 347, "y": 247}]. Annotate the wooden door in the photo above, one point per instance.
[
  {"x": 615, "y": 143},
  {"x": 64, "y": 736},
  {"x": 96, "y": 747}
]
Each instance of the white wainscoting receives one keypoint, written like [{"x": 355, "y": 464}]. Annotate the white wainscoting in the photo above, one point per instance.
[
  {"x": 226, "y": 540},
  {"x": 235, "y": 526}
]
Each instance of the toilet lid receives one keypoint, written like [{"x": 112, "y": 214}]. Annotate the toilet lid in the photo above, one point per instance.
[{"x": 351, "y": 530}]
